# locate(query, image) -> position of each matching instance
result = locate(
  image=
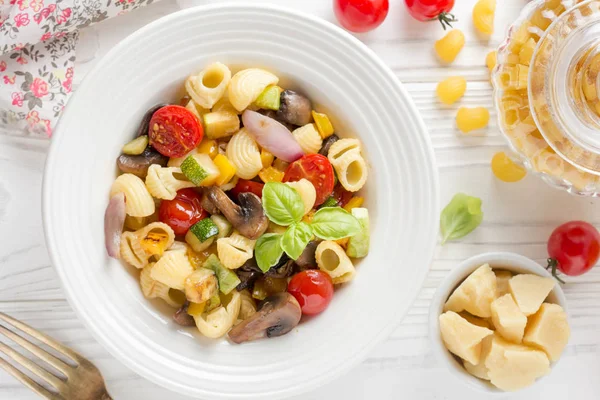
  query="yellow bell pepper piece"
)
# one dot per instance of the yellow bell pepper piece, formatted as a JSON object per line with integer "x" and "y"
{"x": 354, "y": 203}
{"x": 226, "y": 168}
{"x": 309, "y": 217}
{"x": 323, "y": 124}
{"x": 155, "y": 243}
{"x": 209, "y": 147}
{"x": 266, "y": 158}
{"x": 196, "y": 309}
{"x": 271, "y": 175}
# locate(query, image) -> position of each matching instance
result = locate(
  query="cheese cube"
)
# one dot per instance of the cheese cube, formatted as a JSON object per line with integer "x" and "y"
{"x": 513, "y": 366}
{"x": 484, "y": 323}
{"x": 461, "y": 337}
{"x": 508, "y": 319}
{"x": 480, "y": 370}
{"x": 530, "y": 291}
{"x": 475, "y": 294}
{"x": 502, "y": 278}
{"x": 548, "y": 330}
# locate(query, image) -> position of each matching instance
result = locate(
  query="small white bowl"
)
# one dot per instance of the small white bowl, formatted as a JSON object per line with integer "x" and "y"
{"x": 501, "y": 261}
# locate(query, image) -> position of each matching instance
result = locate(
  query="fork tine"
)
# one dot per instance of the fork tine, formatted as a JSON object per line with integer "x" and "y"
{"x": 38, "y": 351}
{"x": 27, "y": 381}
{"x": 33, "y": 367}
{"x": 42, "y": 337}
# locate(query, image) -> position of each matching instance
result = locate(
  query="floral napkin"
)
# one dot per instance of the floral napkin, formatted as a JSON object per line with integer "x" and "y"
{"x": 37, "y": 55}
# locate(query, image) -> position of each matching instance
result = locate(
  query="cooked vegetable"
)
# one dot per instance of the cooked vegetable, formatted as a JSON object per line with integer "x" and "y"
{"x": 248, "y": 218}
{"x": 323, "y": 124}
{"x": 145, "y": 122}
{"x": 204, "y": 229}
{"x": 574, "y": 248}
{"x": 227, "y": 279}
{"x": 313, "y": 289}
{"x": 327, "y": 144}
{"x": 354, "y": 202}
{"x": 200, "y": 169}
{"x": 283, "y": 269}
{"x": 295, "y": 109}
{"x": 226, "y": 169}
{"x": 307, "y": 259}
{"x": 220, "y": 124}
{"x": 222, "y": 225}
{"x": 114, "y": 218}
{"x": 248, "y": 274}
{"x": 181, "y": 316}
{"x": 201, "y": 285}
{"x": 210, "y": 147}
{"x": 136, "y": 146}
{"x": 183, "y": 211}
{"x": 277, "y": 315}
{"x": 460, "y": 217}
{"x": 358, "y": 245}
{"x": 317, "y": 169}
{"x": 174, "y": 131}
{"x": 269, "y": 98}
{"x": 271, "y": 175}
{"x": 138, "y": 165}
{"x": 245, "y": 186}
{"x": 272, "y": 136}
{"x": 330, "y": 202}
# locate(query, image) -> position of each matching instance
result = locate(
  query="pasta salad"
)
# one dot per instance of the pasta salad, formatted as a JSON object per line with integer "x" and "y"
{"x": 239, "y": 207}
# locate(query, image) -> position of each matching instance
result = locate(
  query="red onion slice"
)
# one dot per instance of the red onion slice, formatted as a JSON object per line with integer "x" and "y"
{"x": 114, "y": 218}
{"x": 272, "y": 136}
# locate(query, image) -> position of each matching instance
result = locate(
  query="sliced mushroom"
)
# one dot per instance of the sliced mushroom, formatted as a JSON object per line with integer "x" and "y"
{"x": 181, "y": 317}
{"x": 283, "y": 269}
{"x": 307, "y": 259}
{"x": 145, "y": 123}
{"x": 327, "y": 144}
{"x": 138, "y": 165}
{"x": 274, "y": 115}
{"x": 248, "y": 218}
{"x": 208, "y": 205}
{"x": 295, "y": 109}
{"x": 248, "y": 274}
{"x": 278, "y": 314}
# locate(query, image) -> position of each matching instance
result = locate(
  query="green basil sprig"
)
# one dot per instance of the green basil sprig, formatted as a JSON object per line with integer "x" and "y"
{"x": 460, "y": 217}
{"x": 283, "y": 206}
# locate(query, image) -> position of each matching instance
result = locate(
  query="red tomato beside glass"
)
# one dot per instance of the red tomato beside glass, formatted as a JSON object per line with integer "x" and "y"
{"x": 360, "y": 15}
{"x": 317, "y": 169}
{"x": 574, "y": 247}
{"x": 244, "y": 186}
{"x": 313, "y": 289}
{"x": 183, "y": 211}
{"x": 174, "y": 131}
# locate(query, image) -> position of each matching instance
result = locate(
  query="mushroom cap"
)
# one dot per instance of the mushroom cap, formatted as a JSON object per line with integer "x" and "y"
{"x": 295, "y": 109}
{"x": 248, "y": 218}
{"x": 138, "y": 165}
{"x": 278, "y": 314}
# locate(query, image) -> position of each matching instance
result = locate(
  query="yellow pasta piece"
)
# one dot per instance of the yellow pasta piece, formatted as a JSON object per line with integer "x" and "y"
{"x": 332, "y": 259}
{"x": 526, "y": 52}
{"x": 271, "y": 174}
{"x": 235, "y": 250}
{"x": 351, "y": 168}
{"x": 226, "y": 169}
{"x": 247, "y": 85}
{"x": 209, "y": 85}
{"x": 247, "y": 306}
{"x": 448, "y": 47}
{"x": 505, "y": 169}
{"x": 153, "y": 289}
{"x": 163, "y": 183}
{"x": 219, "y": 321}
{"x": 172, "y": 268}
{"x": 224, "y": 105}
{"x": 138, "y": 201}
{"x": 196, "y": 110}
{"x": 244, "y": 154}
{"x": 483, "y": 16}
{"x": 491, "y": 60}
{"x": 549, "y": 162}
{"x": 308, "y": 138}
{"x": 307, "y": 193}
{"x": 513, "y": 77}
{"x": 471, "y": 119}
{"x": 451, "y": 89}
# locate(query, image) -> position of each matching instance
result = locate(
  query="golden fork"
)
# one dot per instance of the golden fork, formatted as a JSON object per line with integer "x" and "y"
{"x": 81, "y": 380}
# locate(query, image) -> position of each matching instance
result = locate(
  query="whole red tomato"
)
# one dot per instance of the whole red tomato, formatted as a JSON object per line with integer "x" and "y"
{"x": 574, "y": 248}
{"x": 183, "y": 211}
{"x": 428, "y": 10}
{"x": 313, "y": 289}
{"x": 360, "y": 15}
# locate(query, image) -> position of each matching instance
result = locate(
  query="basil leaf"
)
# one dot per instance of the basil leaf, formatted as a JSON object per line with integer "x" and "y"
{"x": 268, "y": 250}
{"x": 283, "y": 204}
{"x": 460, "y": 217}
{"x": 295, "y": 239}
{"x": 333, "y": 223}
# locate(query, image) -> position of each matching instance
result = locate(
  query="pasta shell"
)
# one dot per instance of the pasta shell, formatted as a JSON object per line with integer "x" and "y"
{"x": 153, "y": 289}
{"x": 235, "y": 250}
{"x": 307, "y": 192}
{"x": 248, "y": 305}
{"x": 247, "y": 85}
{"x": 172, "y": 269}
{"x": 131, "y": 250}
{"x": 163, "y": 183}
{"x": 243, "y": 153}
{"x": 332, "y": 259}
{"x": 138, "y": 201}
{"x": 308, "y": 138}
{"x": 219, "y": 321}
{"x": 209, "y": 85}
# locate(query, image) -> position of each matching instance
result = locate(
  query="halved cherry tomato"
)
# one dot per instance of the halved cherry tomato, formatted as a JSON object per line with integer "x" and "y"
{"x": 174, "y": 131}
{"x": 244, "y": 186}
{"x": 183, "y": 211}
{"x": 317, "y": 169}
{"x": 341, "y": 195}
{"x": 574, "y": 248}
{"x": 313, "y": 289}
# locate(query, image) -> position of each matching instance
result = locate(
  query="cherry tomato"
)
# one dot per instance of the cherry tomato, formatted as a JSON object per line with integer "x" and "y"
{"x": 574, "y": 248}
{"x": 183, "y": 211}
{"x": 244, "y": 186}
{"x": 317, "y": 169}
{"x": 430, "y": 10}
{"x": 313, "y": 289}
{"x": 341, "y": 195}
{"x": 174, "y": 131}
{"x": 360, "y": 15}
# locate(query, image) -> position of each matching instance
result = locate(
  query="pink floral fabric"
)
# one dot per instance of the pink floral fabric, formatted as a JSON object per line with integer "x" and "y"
{"x": 38, "y": 39}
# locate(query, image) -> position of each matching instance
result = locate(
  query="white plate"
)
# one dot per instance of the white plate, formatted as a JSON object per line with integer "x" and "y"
{"x": 343, "y": 77}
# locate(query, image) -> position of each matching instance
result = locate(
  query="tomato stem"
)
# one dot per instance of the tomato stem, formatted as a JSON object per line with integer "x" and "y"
{"x": 553, "y": 263}
{"x": 445, "y": 19}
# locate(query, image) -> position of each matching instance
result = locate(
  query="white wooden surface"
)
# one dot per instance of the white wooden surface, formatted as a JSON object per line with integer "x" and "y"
{"x": 518, "y": 217}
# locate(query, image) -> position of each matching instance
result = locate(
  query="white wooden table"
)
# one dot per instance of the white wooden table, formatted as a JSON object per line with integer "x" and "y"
{"x": 518, "y": 217}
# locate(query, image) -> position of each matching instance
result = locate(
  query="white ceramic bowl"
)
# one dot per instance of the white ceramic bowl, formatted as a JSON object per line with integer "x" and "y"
{"x": 505, "y": 261}
{"x": 344, "y": 78}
